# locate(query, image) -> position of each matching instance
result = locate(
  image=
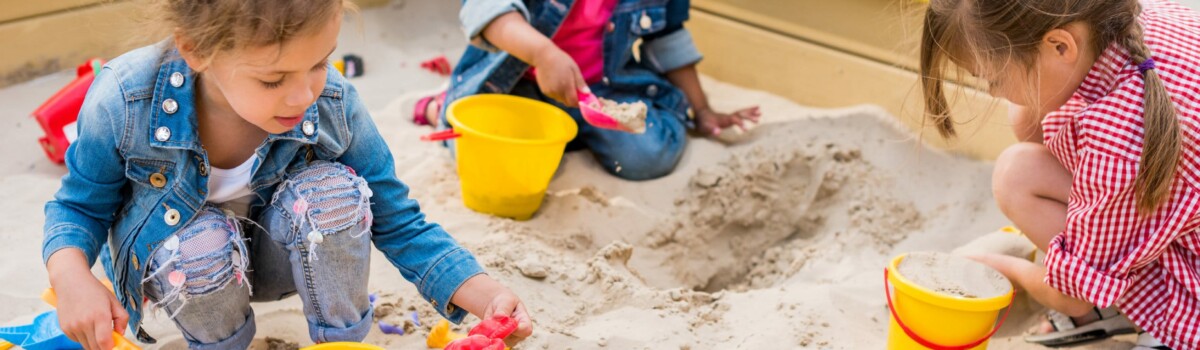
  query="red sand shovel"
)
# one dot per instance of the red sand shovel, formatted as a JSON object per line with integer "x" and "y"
{"x": 593, "y": 113}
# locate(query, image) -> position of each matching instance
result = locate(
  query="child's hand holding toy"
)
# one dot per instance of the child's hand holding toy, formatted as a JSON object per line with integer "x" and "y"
{"x": 486, "y": 298}
{"x": 487, "y": 335}
{"x": 557, "y": 74}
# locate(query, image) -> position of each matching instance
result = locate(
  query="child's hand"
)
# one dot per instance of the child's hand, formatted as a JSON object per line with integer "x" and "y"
{"x": 88, "y": 313}
{"x": 710, "y": 123}
{"x": 558, "y": 76}
{"x": 508, "y": 304}
{"x": 484, "y": 297}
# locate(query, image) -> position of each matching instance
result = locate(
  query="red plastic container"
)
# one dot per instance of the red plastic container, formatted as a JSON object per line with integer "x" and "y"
{"x": 58, "y": 114}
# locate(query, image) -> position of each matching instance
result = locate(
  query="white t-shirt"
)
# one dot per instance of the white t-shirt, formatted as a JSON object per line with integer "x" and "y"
{"x": 230, "y": 188}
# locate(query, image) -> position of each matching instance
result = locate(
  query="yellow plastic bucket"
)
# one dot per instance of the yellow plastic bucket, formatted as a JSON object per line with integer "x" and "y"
{"x": 507, "y": 149}
{"x": 925, "y": 319}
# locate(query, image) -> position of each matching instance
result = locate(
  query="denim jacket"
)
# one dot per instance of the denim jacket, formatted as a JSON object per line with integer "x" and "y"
{"x": 665, "y": 45}
{"x": 138, "y": 126}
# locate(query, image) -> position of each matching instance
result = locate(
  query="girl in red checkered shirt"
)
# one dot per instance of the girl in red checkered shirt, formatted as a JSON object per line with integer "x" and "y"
{"x": 1104, "y": 99}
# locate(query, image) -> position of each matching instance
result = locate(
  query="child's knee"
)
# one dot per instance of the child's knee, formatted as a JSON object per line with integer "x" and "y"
{"x": 646, "y": 167}
{"x": 327, "y": 198}
{"x": 206, "y": 256}
{"x": 650, "y": 157}
{"x": 1010, "y": 177}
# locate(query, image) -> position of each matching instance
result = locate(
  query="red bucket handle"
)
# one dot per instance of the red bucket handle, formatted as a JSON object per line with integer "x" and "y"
{"x": 887, "y": 288}
{"x": 441, "y": 135}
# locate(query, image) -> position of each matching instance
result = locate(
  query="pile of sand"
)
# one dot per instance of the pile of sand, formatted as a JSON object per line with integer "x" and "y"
{"x": 631, "y": 115}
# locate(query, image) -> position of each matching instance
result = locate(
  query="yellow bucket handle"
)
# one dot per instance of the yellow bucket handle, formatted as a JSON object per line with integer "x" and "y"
{"x": 441, "y": 135}
{"x": 887, "y": 288}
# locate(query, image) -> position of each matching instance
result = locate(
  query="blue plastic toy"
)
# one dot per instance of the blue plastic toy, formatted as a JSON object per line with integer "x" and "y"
{"x": 43, "y": 334}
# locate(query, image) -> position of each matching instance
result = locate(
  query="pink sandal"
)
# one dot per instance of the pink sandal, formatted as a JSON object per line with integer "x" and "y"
{"x": 419, "y": 116}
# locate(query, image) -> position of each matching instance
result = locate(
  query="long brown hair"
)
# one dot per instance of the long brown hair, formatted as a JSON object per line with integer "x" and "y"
{"x": 994, "y": 31}
{"x": 216, "y": 26}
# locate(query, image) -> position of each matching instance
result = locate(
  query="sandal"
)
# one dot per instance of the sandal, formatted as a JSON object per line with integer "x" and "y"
{"x": 419, "y": 116}
{"x": 1145, "y": 341}
{"x": 1109, "y": 322}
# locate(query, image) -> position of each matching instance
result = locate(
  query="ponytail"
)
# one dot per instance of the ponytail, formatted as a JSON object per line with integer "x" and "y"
{"x": 1161, "y": 141}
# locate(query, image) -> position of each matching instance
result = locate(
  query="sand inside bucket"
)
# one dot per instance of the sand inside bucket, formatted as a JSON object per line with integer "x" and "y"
{"x": 631, "y": 115}
{"x": 953, "y": 275}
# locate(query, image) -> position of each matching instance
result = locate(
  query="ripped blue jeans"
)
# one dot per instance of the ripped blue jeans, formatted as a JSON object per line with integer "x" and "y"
{"x": 313, "y": 240}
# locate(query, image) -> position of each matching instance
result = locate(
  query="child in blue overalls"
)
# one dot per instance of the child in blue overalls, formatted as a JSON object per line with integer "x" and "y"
{"x": 623, "y": 50}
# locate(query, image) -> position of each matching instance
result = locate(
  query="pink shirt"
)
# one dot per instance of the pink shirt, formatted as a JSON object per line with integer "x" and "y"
{"x": 582, "y": 36}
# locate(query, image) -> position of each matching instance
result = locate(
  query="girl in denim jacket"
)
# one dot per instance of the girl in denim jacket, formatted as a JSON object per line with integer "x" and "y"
{"x": 623, "y": 50}
{"x": 231, "y": 165}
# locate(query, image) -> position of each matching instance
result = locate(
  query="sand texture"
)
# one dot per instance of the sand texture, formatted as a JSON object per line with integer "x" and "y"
{"x": 631, "y": 115}
{"x": 953, "y": 275}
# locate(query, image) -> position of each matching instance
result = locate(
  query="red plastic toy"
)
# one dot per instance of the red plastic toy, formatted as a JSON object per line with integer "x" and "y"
{"x": 438, "y": 65}
{"x": 58, "y": 114}
{"x": 487, "y": 335}
{"x": 498, "y": 327}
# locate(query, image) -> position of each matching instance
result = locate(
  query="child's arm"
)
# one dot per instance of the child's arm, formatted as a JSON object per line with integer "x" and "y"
{"x": 445, "y": 273}
{"x": 1031, "y": 277}
{"x": 88, "y": 312}
{"x": 80, "y": 216}
{"x": 557, "y": 74}
{"x": 672, "y": 52}
{"x": 708, "y": 121}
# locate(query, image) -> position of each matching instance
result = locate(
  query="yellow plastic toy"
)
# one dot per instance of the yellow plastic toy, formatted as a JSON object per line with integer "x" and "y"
{"x": 340, "y": 65}
{"x": 441, "y": 335}
{"x": 342, "y": 346}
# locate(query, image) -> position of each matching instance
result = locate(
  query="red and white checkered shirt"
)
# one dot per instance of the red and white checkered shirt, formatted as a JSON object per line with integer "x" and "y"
{"x": 1109, "y": 254}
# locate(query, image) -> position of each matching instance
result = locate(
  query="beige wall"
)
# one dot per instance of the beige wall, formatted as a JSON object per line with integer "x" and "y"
{"x": 41, "y": 37}
{"x": 881, "y": 30}
{"x": 837, "y": 54}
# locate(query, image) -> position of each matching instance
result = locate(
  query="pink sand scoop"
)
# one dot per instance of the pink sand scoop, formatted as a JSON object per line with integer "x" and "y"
{"x": 593, "y": 113}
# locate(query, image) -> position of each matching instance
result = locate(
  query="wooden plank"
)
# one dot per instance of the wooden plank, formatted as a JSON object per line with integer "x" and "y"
{"x": 20, "y": 9}
{"x": 48, "y": 43}
{"x": 17, "y": 9}
{"x": 819, "y": 76}
{"x": 62, "y": 40}
{"x": 883, "y": 30}
{"x": 370, "y": 3}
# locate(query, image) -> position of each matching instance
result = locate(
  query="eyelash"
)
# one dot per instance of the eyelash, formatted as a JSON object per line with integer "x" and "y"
{"x": 275, "y": 84}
